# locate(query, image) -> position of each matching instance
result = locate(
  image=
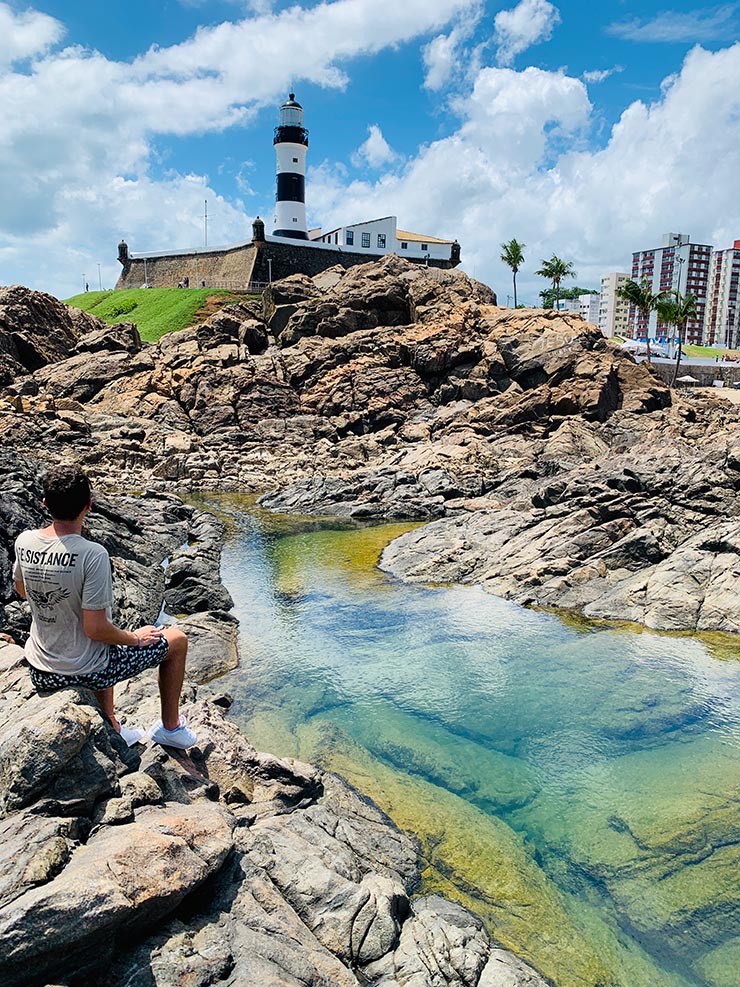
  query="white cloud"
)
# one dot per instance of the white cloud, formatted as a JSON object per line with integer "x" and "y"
{"x": 513, "y": 168}
{"x": 600, "y": 75}
{"x": 76, "y": 124}
{"x": 527, "y": 24}
{"x": 375, "y": 151}
{"x": 440, "y": 60}
{"x": 445, "y": 56}
{"x": 26, "y": 34}
{"x": 704, "y": 24}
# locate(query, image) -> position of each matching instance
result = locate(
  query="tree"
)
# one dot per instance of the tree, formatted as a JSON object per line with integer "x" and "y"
{"x": 548, "y": 295}
{"x": 675, "y": 309}
{"x": 513, "y": 257}
{"x": 644, "y": 299}
{"x": 555, "y": 270}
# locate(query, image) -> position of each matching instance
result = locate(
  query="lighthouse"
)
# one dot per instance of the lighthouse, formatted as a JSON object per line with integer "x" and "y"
{"x": 291, "y": 144}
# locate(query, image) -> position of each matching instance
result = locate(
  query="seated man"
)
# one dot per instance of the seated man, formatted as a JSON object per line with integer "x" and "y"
{"x": 67, "y": 582}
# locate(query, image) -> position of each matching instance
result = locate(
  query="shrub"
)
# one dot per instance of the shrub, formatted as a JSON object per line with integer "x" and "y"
{"x": 123, "y": 307}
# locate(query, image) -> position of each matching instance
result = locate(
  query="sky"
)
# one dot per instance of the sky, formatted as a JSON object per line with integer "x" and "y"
{"x": 582, "y": 129}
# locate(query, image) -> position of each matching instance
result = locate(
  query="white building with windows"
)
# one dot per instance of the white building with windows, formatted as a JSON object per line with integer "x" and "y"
{"x": 613, "y": 319}
{"x": 722, "y": 313}
{"x": 382, "y": 236}
{"x": 586, "y": 305}
{"x": 677, "y": 265}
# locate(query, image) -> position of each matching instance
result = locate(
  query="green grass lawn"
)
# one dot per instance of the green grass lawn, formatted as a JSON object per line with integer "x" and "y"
{"x": 689, "y": 351}
{"x": 155, "y": 311}
{"x": 708, "y": 351}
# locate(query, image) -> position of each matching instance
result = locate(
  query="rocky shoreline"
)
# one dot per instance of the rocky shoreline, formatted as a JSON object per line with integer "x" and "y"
{"x": 147, "y": 867}
{"x": 553, "y": 470}
{"x": 558, "y": 472}
{"x": 151, "y": 867}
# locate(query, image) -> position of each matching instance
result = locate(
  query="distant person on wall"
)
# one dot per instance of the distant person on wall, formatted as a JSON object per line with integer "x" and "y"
{"x": 67, "y": 582}
{"x": 87, "y": 286}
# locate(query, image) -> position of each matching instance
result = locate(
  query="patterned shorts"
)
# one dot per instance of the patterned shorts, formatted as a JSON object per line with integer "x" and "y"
{"x": 124, "y": 661}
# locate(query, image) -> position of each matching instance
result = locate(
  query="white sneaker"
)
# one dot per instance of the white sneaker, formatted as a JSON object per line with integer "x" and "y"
{"x": 132, "y": 735}
{"x": 181, "y": 737}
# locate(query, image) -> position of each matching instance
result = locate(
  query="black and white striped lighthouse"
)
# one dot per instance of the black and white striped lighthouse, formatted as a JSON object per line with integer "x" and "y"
{"x": 291, "y": 144}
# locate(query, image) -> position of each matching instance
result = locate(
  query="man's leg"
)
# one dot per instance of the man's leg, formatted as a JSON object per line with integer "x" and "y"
{"x": 171, "y": 676}
{"x": 105, "y": 701}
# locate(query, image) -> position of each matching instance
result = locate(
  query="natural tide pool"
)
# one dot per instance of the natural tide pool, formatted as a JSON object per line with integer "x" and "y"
{"x": 578, "y": 786}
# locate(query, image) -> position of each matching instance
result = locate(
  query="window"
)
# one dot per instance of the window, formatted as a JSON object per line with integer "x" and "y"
{"x": 425, "y": 246}
{"x": 381, "y": 240}
{"x": 349, "y": 238}
{"x": 365, "y": 239}
{"x": 404, "y": 245}
{"x": 295, "y": 160}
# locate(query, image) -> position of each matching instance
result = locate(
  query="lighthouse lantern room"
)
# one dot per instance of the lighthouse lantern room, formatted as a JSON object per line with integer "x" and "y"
{"x": 291, "y": 145}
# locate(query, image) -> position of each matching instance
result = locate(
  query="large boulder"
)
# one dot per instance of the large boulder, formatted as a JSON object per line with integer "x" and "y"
{"x": 35, "y": 329}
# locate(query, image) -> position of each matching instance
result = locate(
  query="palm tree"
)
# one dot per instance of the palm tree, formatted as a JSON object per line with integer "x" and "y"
{"x": 675, "y": 309}
{"x": 555, "y": 270}
{"x": 644, "y": 299}
{"x": 513, "y": 257}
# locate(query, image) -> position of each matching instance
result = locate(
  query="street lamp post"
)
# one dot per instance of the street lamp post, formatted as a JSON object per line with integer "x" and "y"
{"x": 269, "y": 269}
{"x": 100, "y": 280}
{"x": 146, "y": 276}
{"x": 680, "y": 261}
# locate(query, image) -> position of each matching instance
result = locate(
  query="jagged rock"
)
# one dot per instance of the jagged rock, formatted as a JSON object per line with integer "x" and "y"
{"x": 299, "y": 880}
{"x": 124, "y": 877}
{"x": 35, "y": 329}
{"x": 212, "y": 644}
{"x": 443, "y": 945}
{"x": 189, "y": 584}
{"x": 124, "y": 336}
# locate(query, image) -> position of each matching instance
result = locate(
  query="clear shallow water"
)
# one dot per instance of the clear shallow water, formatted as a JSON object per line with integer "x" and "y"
{"x": 581, "y": 785}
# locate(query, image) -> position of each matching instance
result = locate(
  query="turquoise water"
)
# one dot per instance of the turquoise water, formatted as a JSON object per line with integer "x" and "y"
{"x": 597, "y": 767}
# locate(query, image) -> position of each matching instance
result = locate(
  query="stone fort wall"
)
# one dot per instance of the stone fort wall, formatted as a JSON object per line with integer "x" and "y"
{"x": 219, "y": 269}
{"x": 252, "y": 263}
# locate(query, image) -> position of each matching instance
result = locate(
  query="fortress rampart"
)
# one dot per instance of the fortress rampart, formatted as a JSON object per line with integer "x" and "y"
{"x": 254, "y": 263}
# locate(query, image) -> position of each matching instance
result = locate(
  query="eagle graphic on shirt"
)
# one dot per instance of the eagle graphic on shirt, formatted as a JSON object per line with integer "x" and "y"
{"x": 47, "y": 599}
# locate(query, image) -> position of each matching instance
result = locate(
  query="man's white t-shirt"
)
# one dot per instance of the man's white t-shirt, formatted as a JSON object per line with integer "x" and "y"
{"x": 63, "y": 576}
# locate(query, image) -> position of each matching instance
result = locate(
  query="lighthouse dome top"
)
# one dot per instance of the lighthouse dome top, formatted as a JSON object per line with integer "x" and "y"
{"x": 291, "y": 129}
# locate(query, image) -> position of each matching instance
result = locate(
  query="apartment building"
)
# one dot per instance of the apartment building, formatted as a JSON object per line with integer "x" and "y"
{"x": 722, "y": 313}
{"x": 677, "y": 265}
{"x": 586, "y": 306}
{"x": 613, "y": 317}
{"x": 589, "y": 307}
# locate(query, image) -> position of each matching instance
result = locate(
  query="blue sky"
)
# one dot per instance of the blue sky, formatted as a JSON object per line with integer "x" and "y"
{"x": 586, "y": 130}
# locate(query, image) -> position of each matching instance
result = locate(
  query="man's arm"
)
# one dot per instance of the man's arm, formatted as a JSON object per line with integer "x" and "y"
{"x": 97, "y": 627}
{"x": 20, "y": 588}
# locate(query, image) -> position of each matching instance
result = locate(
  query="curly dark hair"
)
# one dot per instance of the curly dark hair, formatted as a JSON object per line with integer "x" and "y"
{"x": 66, "y": 492}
